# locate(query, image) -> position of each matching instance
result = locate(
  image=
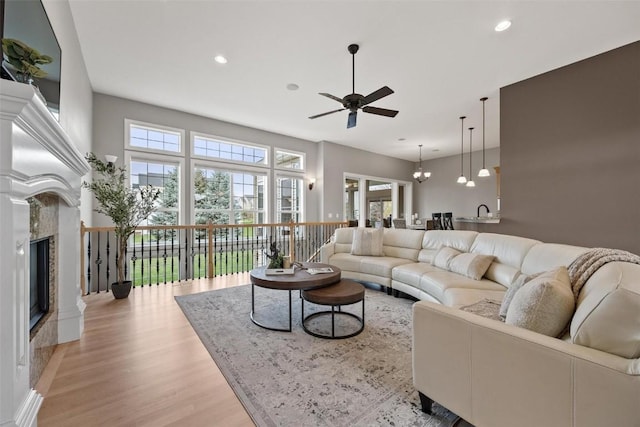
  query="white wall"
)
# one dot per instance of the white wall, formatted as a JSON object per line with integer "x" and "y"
{"x": 76, "y": 95}
{"x": 441, "y": 193}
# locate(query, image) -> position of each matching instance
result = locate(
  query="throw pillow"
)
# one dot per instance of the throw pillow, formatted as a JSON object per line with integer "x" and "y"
{"x": 471, "y": 265}
{"x": 511, "y": 291}
{"x": 544, "y": 304}
{"x": 444, "y": 255}
{"x": 367, "y": 241}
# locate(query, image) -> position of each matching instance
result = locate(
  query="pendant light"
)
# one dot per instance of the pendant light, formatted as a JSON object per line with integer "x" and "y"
{"x": 470, "y": 183}
{"x": 419, "y": 175}
{"x": 462, "y": 179}
{"x": 484, "y": 171}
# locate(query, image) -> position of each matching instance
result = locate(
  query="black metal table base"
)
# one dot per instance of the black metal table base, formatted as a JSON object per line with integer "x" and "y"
{"x": 333, "y": 313}
{"x": 262, "y": 325}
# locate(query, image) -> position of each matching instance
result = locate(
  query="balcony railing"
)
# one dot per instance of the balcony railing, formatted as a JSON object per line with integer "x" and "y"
{"x": 173, "y": 253}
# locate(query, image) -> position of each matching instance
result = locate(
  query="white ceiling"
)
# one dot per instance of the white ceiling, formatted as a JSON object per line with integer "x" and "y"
{"x": 440, "y": 58}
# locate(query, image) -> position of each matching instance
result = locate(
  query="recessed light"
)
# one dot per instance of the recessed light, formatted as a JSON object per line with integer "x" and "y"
{"x": 293, "y": 86}
{"x": 402, "y": 139}
{"x": 220, "y": 59}
{"x": 435, "y": 150}
{"x": 503, "y": 25}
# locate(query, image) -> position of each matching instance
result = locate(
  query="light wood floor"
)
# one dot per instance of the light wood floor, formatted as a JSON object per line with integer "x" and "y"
{"x": 139, "y": 363}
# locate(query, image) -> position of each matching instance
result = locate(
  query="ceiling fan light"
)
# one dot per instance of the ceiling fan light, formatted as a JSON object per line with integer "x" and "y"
{"x": 462, "y": 179}
{"x": 484, "y": 172}
{"x": 470, "y": 183}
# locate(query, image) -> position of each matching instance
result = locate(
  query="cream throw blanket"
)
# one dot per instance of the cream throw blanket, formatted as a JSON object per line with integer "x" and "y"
{"x": 581, "y": 269}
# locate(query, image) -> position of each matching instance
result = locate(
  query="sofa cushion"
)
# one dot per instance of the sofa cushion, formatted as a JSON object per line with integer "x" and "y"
{"x": 471, "y": 265}
{"x": 548, "y": 256}
{"x": 509, "y": 252}
{"x": 437, "y": 282}
{"x": 410, "y": 273}
{"x": 544, "y": 304}
{"x": 402, "y": 243}
{"x": 443, "y": 257}
{"x": 458, "y": 297}
{"x": 381, "y": 266}
{"x": 367, "y": 242}
{"x": 608, "y": 314}
{"x": 342, "y": 239}
{"x": 435, "y": 239}
{"x": 345, "y": 261}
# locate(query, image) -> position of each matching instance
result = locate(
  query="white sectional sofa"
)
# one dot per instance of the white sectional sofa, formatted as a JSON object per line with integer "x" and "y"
{"x": 495, "y": 374}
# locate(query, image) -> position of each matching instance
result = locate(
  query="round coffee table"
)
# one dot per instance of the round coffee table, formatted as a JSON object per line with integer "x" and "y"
{"x": 300, "y": 280}
{"x": 345, "y": 292}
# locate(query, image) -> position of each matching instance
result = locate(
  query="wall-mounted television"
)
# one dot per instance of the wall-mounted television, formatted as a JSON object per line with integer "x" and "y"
{"x": 27, "y": 21}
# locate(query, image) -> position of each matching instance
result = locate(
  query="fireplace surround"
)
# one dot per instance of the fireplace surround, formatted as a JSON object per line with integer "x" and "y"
{"x": 36, "y": 158}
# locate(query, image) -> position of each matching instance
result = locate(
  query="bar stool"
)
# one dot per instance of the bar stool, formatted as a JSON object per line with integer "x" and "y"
{"x": 437, "y": 221}
{"x": 448, "y": 220}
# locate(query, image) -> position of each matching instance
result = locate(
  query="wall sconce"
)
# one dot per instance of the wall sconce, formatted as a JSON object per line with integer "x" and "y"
{"x": 312, "y": 181}
{"x": 111, "y": 160}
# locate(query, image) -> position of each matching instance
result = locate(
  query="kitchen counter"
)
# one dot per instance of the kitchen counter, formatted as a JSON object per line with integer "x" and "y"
{"x": 478, "y": 219}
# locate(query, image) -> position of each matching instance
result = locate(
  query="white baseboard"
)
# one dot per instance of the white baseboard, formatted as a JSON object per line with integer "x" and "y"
{"x": 27, "y": 413}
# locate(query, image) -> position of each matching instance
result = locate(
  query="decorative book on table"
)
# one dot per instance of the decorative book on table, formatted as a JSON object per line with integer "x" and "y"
{"x": 278, "y": 271}
{"x": 319, "y": 270}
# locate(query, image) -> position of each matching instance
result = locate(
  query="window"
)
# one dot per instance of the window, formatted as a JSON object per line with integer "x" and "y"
{"x": 228, "y": 197}
{"x": 143, "y": 136}
{"x": 289, "y": 160}
{"x": 214, "y": 148}
{"x": 166, "y": 177}
{"x": 289, "y": 199}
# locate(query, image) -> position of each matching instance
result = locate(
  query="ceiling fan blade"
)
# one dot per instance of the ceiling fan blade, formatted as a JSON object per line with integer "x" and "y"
{"x": 327, "y": 113}
{"x": 328, "y": 95}
{"x": 351, "y": 122}
{"x": 380, "y": 111}
{"x": 378, "y": 94}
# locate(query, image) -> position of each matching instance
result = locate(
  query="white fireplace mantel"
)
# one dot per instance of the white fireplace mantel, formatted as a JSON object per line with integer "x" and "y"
{"x": 36, "y": 156}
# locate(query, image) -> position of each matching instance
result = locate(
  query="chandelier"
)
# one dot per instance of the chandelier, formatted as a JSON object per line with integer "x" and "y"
{"x": 419, "y": 175}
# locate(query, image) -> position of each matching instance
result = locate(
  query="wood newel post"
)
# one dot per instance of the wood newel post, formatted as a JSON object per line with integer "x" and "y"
{"x": 291, "y": 241}
{"x": 82, "y": 254}
{"x": 210, "y": 266}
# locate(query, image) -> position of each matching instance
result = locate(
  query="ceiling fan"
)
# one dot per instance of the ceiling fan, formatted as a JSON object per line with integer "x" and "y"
{"x": 354, "y": 101}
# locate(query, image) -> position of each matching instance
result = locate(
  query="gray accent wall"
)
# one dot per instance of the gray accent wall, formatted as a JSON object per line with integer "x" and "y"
{"x": 570, "y": 153}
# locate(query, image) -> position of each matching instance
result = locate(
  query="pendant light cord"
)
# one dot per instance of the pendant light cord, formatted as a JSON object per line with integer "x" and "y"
{"x": 470, "y": 150}
{"x": 462, "y": 145}
{"x": 483, "y": 126}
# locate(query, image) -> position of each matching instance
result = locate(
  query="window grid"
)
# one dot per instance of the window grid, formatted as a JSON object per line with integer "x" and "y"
{"x": 165, "y": 177}
{"x": 154, "y": 139}
{"x": 224, "y": 150}
{"x": 228, "y": 197}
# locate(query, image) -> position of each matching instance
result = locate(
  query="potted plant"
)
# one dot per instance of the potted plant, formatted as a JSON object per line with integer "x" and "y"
{"x": 25, "y": 59}
{"x": 127, "y": 208}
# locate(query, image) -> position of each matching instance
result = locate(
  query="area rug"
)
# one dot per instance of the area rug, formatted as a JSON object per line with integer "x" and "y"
{"x": 295, "y": 379}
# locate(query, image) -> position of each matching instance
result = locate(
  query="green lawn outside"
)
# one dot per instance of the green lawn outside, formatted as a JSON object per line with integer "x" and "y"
{"x": 156, "y": 270}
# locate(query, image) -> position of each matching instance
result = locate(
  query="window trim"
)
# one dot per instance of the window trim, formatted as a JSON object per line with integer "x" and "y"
{"x": 298, "y": 153}
{"x": 127, "y": 137}
{"x": 160, "y": 158}
{"x": 194, "y": 134}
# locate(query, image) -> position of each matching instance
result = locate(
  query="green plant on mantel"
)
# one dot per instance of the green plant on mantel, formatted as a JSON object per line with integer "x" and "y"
{"x": 126, "y": 206}
{"x": 25, "y": 59}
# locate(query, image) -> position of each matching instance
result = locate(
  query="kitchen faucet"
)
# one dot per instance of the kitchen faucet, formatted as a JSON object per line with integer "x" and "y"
{"x": 487, "y": 207}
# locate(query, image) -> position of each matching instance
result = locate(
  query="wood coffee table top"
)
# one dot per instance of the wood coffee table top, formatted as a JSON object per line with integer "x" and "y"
{"x": 301, "y": 279}
{"x": 344, "y": 292}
